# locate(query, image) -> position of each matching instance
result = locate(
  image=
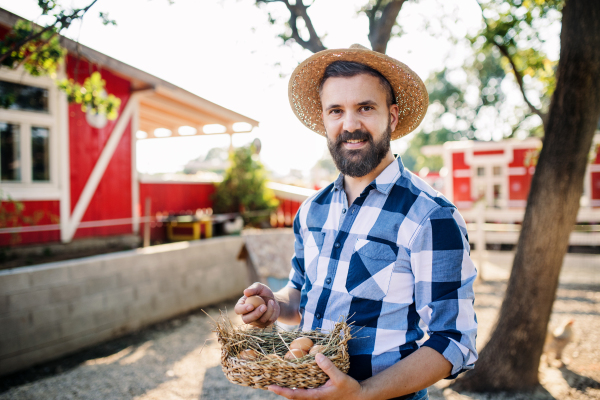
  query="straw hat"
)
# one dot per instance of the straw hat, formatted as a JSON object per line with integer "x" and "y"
{"x": 409, "y": 90}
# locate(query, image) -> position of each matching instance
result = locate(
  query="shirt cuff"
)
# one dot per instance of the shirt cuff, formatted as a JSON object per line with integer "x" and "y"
{"x": 451, "y": 352}
{"x": 293, "y": 285}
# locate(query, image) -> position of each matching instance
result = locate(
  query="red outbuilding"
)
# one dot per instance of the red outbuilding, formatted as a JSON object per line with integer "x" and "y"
{"x": 499, "y": 172}
{"x": 75, "y": 174}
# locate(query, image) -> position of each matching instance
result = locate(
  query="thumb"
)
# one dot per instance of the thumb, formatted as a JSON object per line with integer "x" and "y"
{"x": 329, "y": 368}
{"x": 252, "y": 290}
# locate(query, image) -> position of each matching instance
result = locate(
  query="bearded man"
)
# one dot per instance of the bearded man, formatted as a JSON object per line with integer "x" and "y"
{"x": 378, "y": 245}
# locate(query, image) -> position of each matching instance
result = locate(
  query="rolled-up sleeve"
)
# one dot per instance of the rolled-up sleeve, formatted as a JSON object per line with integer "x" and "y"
{"x": 297, "y": 275}
{"x": 444, "y": 297}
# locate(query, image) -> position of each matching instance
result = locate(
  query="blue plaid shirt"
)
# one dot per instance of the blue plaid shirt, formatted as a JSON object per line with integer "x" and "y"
{"x": 398, "y": 255}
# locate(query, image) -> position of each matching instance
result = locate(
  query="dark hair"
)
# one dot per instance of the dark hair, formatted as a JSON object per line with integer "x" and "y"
{"x": 348, "y": 69}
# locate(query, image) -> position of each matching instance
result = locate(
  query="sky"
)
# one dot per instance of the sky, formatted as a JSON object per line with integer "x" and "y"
{"x": 226, "y": 51}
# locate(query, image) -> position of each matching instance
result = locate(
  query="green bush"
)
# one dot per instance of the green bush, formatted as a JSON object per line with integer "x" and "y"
{"x": 244, "y": 190}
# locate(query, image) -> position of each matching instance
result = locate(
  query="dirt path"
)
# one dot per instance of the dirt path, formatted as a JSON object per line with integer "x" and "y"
{"x": 168, "y": 361}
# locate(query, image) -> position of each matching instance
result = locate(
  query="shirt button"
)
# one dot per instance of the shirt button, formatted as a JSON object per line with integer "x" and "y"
{"x": 337, "y": 245}
{"x": 318, "y": 315}
{"x": 343, "y": 211}
{"x": 328, "y": 281}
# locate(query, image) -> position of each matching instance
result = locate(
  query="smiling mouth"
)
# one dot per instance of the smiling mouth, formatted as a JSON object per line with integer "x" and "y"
{"x": 355, "y": 141}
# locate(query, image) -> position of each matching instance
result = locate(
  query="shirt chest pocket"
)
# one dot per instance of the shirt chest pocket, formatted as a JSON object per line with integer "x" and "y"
{"x": 312, "y": 251}
{"x": 370, "y": 269}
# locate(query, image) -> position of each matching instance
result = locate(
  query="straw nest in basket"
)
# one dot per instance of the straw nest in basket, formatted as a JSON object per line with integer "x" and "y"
{"x": 256, "y": 357}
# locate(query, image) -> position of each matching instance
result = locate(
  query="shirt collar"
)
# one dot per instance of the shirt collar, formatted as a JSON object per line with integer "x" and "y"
{"x": 384, "y": 181}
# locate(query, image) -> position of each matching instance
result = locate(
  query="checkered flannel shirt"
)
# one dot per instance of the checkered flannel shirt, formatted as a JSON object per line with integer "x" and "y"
{"x": 399, "y": 254}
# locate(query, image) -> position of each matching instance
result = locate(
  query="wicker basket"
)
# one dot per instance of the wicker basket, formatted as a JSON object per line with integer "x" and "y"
{"x": 302, "y": 373}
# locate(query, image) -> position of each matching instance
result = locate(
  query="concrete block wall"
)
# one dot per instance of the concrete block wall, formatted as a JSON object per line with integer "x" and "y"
{"x": 50, "y": 310}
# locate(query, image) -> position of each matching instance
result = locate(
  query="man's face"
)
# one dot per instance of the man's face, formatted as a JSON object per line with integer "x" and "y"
{"x": 358, "y": 122}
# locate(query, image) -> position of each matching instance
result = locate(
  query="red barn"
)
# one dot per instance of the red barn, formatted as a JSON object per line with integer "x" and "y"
{"x": 76, "y": 174}
{"x": 501, "y": 172}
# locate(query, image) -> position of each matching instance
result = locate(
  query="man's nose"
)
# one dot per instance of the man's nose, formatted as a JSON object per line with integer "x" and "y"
{"x": 351, "y": 122}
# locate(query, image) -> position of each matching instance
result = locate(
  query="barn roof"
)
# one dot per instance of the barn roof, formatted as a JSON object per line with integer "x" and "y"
{"x": 164, "y": 105}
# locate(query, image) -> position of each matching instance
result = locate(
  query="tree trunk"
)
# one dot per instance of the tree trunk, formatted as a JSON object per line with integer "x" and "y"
{"x": 511, "y": 359}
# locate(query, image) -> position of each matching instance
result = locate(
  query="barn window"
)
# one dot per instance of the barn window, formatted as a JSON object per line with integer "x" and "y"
{"x": 15, "y": 96}
{"x": 10, "y": 152}
{"x": 28, "y": 135}
{"x": 40, "y": 154}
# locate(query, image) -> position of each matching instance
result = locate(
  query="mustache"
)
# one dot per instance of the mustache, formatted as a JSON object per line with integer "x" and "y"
{"x": 354, "y": 135}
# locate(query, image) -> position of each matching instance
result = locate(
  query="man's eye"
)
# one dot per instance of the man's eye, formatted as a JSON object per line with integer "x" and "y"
{"x": 335, "y": 111}
{"x": 366, "y": 108}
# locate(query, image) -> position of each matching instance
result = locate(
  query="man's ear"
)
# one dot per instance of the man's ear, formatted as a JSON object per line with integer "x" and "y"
{"x": 394, "y": 109}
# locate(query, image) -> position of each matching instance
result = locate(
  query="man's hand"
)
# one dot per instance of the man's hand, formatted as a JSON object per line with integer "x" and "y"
{"x": 339, "y": 385}
{"x": 264, "y": 315}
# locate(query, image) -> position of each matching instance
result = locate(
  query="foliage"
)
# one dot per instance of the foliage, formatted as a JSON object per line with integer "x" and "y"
{"x": 38, "y": 57}
{"x": 38, "y": 51}
{"x": 91, "y": 95}
{"x": 12, "y": 215}
{"x": 244, "y": 187}
{"x": 470, "y": 101}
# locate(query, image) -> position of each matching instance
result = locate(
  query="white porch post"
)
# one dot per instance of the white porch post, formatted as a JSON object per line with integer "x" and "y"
{"x": 99, "y": 168}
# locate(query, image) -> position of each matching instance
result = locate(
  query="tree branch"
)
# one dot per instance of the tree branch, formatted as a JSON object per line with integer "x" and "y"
{"x": 519, "y": 79}
{"x": 380, "y": 29}
{"x": 518, "y": 75}
{"x": 298, "y": 10}
{"x": 63, "y": 20}
{"x": 313, "y": 43}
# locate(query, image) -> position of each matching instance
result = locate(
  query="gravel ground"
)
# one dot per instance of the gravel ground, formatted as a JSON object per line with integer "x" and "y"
{"x": 179, "y": 359}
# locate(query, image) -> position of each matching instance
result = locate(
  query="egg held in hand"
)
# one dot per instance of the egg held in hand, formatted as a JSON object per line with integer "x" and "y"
{"x": 255, "y": 301}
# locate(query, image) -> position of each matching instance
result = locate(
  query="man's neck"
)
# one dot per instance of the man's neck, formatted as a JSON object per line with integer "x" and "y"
{"x": 354, "y": 186}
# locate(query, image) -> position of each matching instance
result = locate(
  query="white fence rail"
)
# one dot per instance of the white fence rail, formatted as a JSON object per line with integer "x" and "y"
{"x": 502, "y": 226}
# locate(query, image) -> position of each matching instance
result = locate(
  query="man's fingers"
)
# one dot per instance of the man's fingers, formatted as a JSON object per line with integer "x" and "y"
{"x": 266, "y": 317}
{"x": 253, "y": 289}
{"x": 329, "y": 368}
{"x": 241, "y": 307}
{"x": 292, "y": 393}
{"x": 254, "y": 315}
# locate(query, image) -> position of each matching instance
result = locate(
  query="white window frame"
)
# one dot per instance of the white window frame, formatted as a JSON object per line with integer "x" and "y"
{"x": 27, "y": 189}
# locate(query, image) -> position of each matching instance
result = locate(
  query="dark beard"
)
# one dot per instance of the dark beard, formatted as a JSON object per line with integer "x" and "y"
{"x": 359, "y": 162}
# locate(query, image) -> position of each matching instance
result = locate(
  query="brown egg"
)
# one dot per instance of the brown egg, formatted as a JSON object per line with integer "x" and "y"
{"x": 302, "y": 343}
{"x": 295, "y": 354}
{"x": 249, "y": 355}
{"x": 319, "y": 348}
{"x": 256, "y": 301}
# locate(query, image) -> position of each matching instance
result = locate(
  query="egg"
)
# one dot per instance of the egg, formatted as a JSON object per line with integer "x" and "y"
{"x": 248, "y": 354}
{"x": 316, "y": 349}
{"x": 255, "y": 301}
{"x": 302, "y": 343}
{"x": 295, "y": 354}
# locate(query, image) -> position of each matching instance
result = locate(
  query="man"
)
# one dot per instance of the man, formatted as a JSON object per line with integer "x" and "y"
{"x": 378, "y": 245}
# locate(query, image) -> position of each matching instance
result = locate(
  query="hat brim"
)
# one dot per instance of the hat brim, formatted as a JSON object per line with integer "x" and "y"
{"x": 409, "y": 90}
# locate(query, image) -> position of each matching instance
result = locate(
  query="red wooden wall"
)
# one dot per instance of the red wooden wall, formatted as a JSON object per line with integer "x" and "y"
{"x": 173, "y": 198}
{"x": 287, "y": 211}
{"x": 518, "y": 185}
{"x": 461, "y": 185}
{"x": 36, "y": 213}
{"x": 112, "y": 199}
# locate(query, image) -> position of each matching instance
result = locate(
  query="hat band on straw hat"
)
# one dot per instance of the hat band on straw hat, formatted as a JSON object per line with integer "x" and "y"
{"x": 409, "y": 90}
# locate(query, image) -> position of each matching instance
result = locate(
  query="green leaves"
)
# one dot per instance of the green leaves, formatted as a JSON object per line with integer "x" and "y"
{"x": 39, "y": 55}
{"x": 244, "y": 187}
{"x": 92, "y": 96}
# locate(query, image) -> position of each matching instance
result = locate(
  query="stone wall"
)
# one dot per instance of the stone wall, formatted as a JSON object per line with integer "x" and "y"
{"x": 50, "y": 310}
